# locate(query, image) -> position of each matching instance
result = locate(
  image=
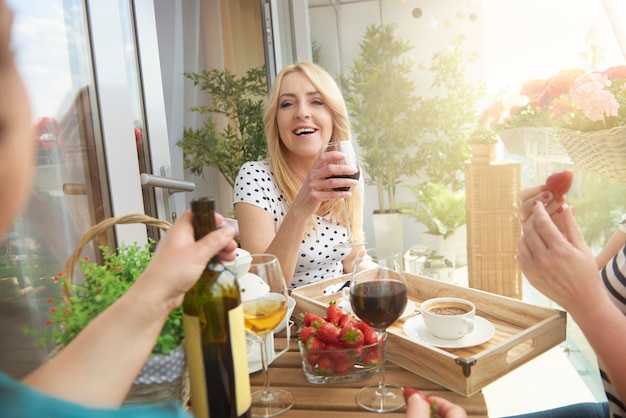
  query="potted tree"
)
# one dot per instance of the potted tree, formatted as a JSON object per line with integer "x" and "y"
{"x": 379, "y": 96}
{"x": 449, "y": 116}
{"x": 240, "y": 101}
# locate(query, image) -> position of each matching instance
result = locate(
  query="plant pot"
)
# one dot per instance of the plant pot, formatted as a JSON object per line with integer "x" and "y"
{"x": 164, "y": 377}
{"x": 389, "y": 230}
{"x": 483, "y": 153}
{"x": 440, "y": 245}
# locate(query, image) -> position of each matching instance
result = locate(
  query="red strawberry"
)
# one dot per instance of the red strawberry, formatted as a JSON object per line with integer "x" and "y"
{"x": 559, "y": 183}
{"x": 334, "y": 313}
{"x": 351, "y": 337}
{"x": 313, "y": 344}
{"x": 306, "y": 333}
{"x": 347, "y": 320}
{"x": 343, "y": 366}
{"x": 325, "y": 365}
{"x": 310, "y": 319}
{"x": 370, "y": 336}
{"x": 363, "y": 326}
{"x": 328, "y": 333}
{"x": 370, "y": 355}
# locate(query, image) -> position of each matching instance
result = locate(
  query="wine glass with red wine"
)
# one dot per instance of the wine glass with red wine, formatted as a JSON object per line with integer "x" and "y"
{"x": 378, "y": 296}
{"x": 346, "y": 148}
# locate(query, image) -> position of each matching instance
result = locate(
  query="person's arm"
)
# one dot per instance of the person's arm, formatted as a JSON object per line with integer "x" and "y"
{"x": 558, "y": 262}
{"x": 613, "y": 245}
{"x": 98, "y": 367}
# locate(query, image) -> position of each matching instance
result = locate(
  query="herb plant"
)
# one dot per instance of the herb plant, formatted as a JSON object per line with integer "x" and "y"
{"x": 103, "y": 285}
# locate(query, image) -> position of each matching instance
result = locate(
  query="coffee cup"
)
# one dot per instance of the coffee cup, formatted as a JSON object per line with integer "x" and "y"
{"x": 448, "y": 318}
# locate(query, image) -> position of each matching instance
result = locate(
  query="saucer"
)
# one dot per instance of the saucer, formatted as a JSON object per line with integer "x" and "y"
{"x": 408, "y": 309}
{"x": 483, "y": 331}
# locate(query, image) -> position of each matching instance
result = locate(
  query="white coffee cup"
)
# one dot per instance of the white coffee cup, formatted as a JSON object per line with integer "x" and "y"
{"x": 448, "y": 318}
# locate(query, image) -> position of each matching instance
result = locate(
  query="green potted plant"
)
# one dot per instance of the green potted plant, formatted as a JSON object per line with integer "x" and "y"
{"x": 482, "y": 142}
{"x": 102, "y": 285}
{"x": 380, "y": 98}
{"x": 441, "y": 210}
{"x": 242, "y": 138}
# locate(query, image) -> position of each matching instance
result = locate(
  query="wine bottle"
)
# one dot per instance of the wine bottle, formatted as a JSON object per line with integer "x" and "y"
{"x": 214, "y": 334}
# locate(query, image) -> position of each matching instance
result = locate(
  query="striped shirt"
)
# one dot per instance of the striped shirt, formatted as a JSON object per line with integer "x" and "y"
{"x": 614, "y": 281}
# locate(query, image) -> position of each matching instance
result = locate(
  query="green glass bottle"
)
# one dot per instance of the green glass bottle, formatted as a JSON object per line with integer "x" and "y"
{"x": 215, "y": 333}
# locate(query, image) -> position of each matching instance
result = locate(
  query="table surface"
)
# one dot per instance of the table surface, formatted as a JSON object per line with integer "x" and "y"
{"x": 339, "y": 399}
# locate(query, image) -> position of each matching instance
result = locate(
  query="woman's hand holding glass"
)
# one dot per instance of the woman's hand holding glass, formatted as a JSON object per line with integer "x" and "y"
{"x": 349, "y": 159}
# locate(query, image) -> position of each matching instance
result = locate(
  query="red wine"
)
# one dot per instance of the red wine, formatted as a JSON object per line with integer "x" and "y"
{"x": 378, "y": 303}
{"x": 345, "y": 176}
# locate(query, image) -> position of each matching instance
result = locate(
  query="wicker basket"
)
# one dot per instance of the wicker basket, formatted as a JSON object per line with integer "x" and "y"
{"x": 600, "y": 152}
{"x": 536, "y": 143}
{"x": 163, "y": 377}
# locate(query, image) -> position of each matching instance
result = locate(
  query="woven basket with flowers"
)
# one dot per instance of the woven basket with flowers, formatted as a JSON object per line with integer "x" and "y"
{"x": 583, "y": 110}
{"x": 165, "y": 375}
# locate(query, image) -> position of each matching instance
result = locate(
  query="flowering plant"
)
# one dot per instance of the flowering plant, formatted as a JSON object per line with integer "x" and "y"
{"x": 102, "y": 286}
{"x": 575, "y": 99}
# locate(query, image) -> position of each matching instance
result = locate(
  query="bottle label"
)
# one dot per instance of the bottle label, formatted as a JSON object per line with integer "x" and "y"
{"x": 240, "y": 359}
{"x": 197, "y": 381}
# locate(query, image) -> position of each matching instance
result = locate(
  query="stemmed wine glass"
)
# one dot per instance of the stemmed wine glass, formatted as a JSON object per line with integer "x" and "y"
{"x": 349, "y": 159}
{"x": 263, "y": 312}
{"x": 378, "y": 295}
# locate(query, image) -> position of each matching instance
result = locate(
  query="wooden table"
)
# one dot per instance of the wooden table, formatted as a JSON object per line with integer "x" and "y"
{"x": 339, "y": 400}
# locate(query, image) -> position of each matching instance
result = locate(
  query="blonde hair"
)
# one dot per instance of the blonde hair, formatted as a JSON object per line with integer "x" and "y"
{"x": 283, "y": 169}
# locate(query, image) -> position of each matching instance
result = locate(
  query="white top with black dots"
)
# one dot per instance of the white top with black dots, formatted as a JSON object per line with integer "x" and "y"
{"x": 318, "y": 259}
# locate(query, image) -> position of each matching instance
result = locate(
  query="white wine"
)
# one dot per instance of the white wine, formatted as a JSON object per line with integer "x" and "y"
{"x": 262, "y": 316}
{"x": 214, "y": 334}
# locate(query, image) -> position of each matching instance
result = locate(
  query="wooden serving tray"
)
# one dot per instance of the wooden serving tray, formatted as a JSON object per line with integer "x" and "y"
{"x": 522, "y": 332}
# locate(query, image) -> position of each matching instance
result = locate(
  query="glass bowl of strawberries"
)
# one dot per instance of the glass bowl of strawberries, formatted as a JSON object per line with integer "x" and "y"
{"x": 337, "y": 348}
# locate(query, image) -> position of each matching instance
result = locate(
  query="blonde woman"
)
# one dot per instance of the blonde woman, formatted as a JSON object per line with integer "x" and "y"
{"x": 285, "y": 204}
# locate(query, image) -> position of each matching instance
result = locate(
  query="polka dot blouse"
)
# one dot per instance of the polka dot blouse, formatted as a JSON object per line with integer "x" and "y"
{"x": 318, "y": 258}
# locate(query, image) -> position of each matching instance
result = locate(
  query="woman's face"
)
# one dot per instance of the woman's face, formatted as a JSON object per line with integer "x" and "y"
{"x": 17, "y": 141}
{"x": 305, "y": 122}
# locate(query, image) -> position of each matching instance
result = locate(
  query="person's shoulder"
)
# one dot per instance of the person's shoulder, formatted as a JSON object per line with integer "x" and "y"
{"x": 256, "y": 165}
{"x": 255, "y": 169}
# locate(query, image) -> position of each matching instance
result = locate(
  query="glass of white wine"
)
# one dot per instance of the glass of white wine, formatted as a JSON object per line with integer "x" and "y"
{"x": 262, "y": 314}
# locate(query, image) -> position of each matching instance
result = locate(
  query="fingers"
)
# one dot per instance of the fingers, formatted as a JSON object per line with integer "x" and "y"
{"x": 416, "y": 404}
{"x": 552, "y": 203}
{"x": 448, "y": 409}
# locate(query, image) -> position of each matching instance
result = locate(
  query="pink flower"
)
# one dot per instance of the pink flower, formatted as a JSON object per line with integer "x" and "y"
{"x": 589, "y": 95}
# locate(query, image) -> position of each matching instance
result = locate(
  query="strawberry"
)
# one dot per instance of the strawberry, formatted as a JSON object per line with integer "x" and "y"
{"x": 328, "y": 333}
{"x": 351, "y": 337}
{"x": 306, "y": 333}
{"x": 334, "y": 313}
{"x": 363, "y": 326}
{"x": 370, "y": 355}
{"x": 325, "y": 365}
{"x": 343, "y": 366}
{"x": 347, "y": 320}
{"x": 370, "y": 336}
{"x": 310, "y": 319}
{"x": 314, "y": 344}
{"x": 559, "y": 183}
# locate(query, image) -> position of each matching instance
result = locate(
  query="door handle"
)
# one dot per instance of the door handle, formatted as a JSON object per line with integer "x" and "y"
{"x": 172, "y": 186}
